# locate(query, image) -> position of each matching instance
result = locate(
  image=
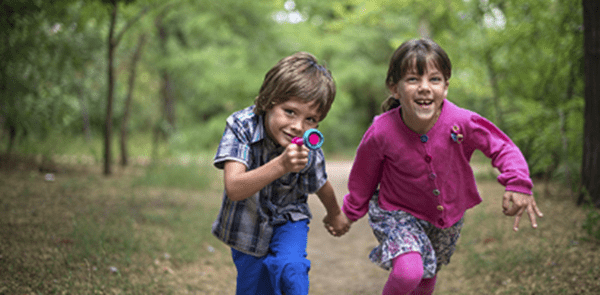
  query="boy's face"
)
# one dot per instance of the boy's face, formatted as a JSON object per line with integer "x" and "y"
{"x": 290, "y": 119}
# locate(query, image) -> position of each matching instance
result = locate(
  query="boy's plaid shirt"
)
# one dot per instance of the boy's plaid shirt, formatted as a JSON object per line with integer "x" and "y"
{"x": 247, "y": 225}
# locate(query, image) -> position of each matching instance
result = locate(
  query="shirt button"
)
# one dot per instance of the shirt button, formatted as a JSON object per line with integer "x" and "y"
{"x": 428, "y": 159}
{"x": 432, "y": 176}
{"x": 436, "y": 192}
{"x": 440, "y": 208}
{"x": 424, "y": 138}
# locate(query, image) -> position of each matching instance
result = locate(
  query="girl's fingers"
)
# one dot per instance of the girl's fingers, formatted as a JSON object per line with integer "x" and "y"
{"x": 537, "y": 210}
{"x": 518, "y": 219}
{"x": 532, "y": 213}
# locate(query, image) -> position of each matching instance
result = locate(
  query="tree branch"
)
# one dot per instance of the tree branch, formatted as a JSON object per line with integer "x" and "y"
{"x": 129, "y": 24}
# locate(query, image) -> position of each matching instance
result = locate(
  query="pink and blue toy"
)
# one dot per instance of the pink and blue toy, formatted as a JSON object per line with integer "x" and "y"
{"x": 312, "y": 138}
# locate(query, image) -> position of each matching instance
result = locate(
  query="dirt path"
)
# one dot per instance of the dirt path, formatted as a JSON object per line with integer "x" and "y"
{"x": 341, "y": 265}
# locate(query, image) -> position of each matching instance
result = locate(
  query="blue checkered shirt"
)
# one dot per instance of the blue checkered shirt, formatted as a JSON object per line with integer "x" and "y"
{"x": 247, "y": 225}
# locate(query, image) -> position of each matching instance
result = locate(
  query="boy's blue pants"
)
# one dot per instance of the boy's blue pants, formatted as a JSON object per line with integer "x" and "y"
{"x": 284, "y": 269}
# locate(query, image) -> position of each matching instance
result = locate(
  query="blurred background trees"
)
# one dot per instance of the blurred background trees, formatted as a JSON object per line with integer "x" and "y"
{"x": 517, "y": 62}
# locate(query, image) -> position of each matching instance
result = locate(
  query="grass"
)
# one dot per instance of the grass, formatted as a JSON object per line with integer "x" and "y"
{"x": 84, "y": 233}
{"x": 557, "y": 258}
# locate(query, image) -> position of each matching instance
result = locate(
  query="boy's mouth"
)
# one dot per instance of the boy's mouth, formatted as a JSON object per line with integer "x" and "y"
{"x": 289, "y": 136}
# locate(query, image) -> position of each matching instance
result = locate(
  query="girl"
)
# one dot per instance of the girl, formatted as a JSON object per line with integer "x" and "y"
{"x": 412, "y": 172}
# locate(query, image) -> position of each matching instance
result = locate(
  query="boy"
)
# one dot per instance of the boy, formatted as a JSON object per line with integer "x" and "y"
{"x": 264, "y": 215}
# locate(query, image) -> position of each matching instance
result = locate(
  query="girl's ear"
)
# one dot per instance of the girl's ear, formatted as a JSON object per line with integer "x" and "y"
{"x": 394, "y": 90}
{"x": 446, "y": 90}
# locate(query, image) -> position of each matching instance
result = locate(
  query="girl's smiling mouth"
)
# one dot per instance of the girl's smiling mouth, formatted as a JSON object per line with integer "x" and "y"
{"x": 424, "y": 102}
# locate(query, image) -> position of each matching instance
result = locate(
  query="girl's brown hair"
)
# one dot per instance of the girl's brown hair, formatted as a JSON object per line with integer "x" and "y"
{"x": 300, "y": 76}
{"x": 416, "y": 53}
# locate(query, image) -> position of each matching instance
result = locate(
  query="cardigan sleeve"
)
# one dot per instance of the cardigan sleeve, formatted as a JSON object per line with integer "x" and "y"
{"x": 505, "y": 155}
{"x": 364, "y": 176}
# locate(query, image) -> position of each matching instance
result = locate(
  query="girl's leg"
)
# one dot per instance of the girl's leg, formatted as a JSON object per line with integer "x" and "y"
{"x": 406, "y": 274}
{"x": 253, "y": 277}
{"x": 425, "y": 287}
{"x": 286, "y": 262}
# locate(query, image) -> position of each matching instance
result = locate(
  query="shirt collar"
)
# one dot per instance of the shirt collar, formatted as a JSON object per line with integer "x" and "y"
{"x": 261, "y": 134}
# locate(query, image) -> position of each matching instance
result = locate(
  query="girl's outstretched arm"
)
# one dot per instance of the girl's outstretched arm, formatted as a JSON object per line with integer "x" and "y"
{"x": 520, "y": 202}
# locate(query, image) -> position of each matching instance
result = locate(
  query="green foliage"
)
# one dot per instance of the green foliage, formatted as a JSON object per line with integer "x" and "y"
{"x": 518, "y": 63}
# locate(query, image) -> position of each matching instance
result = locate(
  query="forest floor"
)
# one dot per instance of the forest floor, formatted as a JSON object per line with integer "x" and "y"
{"x": 82, "y": 233}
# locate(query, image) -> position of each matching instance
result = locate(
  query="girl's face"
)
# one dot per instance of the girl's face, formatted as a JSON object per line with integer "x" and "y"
{"x": 290, "y": 119}
{"x": 421, "y": 97}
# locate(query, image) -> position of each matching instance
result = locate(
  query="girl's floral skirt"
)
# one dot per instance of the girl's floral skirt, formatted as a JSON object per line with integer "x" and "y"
{"x": 399, "y": 232}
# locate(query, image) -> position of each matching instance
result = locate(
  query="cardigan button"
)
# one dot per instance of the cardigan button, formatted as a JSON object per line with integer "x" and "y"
{"x": 440, "y": 208}
{"x": 441, "y": 222}
{"x": 436, "y": 192}
{"x": 432, "y": 176}
{"x": 428, "y": 158}
{"x": 424, "y": 138}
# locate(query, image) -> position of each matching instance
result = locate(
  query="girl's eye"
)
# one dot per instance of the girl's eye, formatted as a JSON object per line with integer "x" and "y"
{"x": 436, "y": 79}
{"x": 312, "y": 120}
{"x": 289, "y": 112}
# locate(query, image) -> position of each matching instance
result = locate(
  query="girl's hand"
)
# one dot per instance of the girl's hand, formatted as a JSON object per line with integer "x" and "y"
{"x": 520, "y": 202}
{"x": 294, "y": 158}
{"x": 337, "y": 225}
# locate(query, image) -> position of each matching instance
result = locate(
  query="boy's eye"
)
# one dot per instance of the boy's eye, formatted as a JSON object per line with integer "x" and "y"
{"x": 312, "y": 120}
{"x": 436, "y": 79}
{"x": 288, "y": 111}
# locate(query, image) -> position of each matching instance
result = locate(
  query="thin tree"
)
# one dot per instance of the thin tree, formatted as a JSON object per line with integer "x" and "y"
{"x": 113, "y": 42}
{"x": 132, "y": 75}
{"x": 590, "y": 168}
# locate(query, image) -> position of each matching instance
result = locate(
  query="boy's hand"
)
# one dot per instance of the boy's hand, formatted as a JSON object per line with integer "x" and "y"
{"x": 337, "y": 225}
{"x": 520, "y": 202}
{"x": 294, "y": 157}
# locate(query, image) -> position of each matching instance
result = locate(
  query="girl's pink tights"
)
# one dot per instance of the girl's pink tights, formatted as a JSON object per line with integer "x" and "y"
{"x": 407, "y": 277}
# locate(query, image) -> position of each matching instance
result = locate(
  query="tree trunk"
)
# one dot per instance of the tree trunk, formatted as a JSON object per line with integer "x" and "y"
{"x": 84, "y": 113}
{"x": 111, "y": 86}
{"x": 590, "y": 168}
{"x": 498, "y": 114}
{"x": 132, "y": 75}
{"x": 166, "y": 92}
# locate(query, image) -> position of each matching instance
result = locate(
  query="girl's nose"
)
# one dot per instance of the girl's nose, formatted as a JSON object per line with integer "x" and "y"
{"x": 424, "y": 86}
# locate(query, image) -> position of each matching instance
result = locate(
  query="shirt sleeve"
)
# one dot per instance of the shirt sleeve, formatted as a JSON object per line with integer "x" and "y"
{"x": 316, "y": 174}
{"x": 364, "y": 176}
{"x": 505, "y": 155}
{"x": 234, "y": 145}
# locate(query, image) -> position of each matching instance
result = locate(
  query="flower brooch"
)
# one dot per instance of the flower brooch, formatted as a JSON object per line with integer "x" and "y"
{"x": 456, "y": 137}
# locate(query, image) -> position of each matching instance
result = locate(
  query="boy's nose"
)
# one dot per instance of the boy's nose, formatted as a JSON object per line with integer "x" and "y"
{"x": 297, "y": 125}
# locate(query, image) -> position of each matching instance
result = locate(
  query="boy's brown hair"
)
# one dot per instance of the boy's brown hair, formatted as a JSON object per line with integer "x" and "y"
{"x": 300, "y": 76}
